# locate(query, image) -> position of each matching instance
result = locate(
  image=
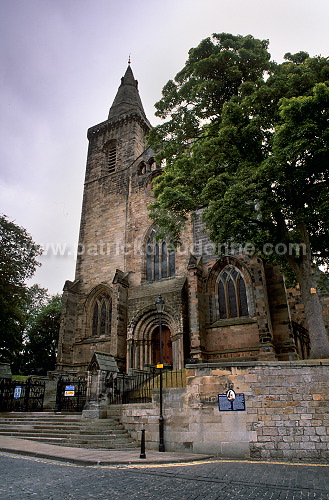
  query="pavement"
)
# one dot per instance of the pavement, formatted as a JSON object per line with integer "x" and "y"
{"x": 89, "y": 456}
{"x": 122, "y": 474}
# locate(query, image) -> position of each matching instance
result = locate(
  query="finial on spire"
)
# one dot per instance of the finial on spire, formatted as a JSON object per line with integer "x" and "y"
{"x": 129, "y": 59}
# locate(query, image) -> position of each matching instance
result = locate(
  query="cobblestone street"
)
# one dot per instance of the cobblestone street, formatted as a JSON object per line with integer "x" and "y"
{"x": 23, "y": 478}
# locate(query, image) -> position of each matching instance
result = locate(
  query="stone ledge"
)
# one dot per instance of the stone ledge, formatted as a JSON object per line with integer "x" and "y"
{"x": 229, "y": 351}
{"x": 295, "y": 363}
{"x": 232, "y": 322}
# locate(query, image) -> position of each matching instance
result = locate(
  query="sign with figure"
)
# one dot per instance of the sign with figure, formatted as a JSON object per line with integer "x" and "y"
{"x": 231, "y": 395}
{"x": 231, "y": 401}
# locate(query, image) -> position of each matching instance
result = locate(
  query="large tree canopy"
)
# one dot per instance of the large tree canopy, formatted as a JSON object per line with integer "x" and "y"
{"x": 42, "y": 336}
{"x": 18, "y": 262}
{"x": 247, "y": 140}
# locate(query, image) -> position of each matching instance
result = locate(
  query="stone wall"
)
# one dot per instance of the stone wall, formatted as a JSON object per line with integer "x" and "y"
{"x": 286, "y": 416}
{"x": 296, "y": 306}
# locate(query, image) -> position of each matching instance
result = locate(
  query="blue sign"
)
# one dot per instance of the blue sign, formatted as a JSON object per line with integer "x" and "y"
{"x": 17, "y": 392}
{"x": 237, "y": 404}
{"x": 69, "y": 390}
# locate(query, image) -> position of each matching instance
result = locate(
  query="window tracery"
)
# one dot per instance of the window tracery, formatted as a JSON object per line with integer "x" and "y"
{"x": 160, "y": 258}
{"x": 232, "y": 293}
{"x": 101, "y": 318}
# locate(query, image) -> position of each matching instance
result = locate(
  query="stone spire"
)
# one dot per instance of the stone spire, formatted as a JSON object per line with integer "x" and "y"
{"x": 127, "y": 101}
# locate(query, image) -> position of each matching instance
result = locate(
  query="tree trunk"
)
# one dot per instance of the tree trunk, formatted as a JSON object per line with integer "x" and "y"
{"x": 313, "y": 316}
{"x": 312, "y": 304}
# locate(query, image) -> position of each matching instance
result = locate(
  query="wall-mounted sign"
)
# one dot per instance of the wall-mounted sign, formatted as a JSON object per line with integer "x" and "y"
{"x": 17, "y": 392}
{"x": 231, "y": 401}
{"x": 69, "y": 390}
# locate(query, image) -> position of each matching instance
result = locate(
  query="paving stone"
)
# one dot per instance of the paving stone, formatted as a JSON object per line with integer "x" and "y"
{"x": 24, "y": 478}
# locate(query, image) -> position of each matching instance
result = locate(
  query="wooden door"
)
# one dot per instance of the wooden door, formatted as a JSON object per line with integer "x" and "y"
{"x": 166, "y": 346}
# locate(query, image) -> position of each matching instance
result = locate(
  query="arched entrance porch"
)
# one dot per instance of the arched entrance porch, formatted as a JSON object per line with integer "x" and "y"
{"x": 143, "y": 342}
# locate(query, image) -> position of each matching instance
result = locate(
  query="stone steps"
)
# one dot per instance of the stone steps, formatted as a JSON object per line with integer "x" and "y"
{"x": 81, "y": 429}
{"x": 62, "y": 434}
{"x": 66, "y": 430}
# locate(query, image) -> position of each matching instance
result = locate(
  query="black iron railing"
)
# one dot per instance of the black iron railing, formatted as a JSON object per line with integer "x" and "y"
{"x": 138, "y": 386}
{"x": 71, "y": 394}
{"x": 21, "y": 396}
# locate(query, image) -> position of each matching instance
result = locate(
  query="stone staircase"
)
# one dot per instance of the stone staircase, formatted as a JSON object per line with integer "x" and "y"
{"x": 66, "y": 430}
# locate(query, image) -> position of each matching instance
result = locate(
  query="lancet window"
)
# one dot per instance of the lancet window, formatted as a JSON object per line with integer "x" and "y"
{"x": 102, "y": 313}
{"x": 160, "y": 258}
{"x": 232, "y": 293}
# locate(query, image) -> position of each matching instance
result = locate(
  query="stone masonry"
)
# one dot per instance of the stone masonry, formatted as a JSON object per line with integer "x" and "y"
{"x": 286, "y": 416}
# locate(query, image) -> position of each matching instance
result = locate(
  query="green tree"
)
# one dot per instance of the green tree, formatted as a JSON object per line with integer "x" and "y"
{"x": 36, "y": 298}
{"x": 42, "y": 337}
{"x": 257, "y": 163}
{"x": 18, "y": 262}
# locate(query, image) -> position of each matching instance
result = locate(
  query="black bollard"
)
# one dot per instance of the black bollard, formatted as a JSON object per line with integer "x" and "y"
{"x": 142, "y": 455}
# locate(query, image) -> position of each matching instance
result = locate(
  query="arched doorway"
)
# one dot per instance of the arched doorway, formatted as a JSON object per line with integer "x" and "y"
{"x": 166, "y": 346}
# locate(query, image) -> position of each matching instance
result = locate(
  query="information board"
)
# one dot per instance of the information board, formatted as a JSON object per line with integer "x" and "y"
{"x": 69, "y": 390}
{"x": 238, "y": 404}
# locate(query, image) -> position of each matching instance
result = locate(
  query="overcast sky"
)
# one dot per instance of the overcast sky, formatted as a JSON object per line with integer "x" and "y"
{"x": 60, "y": 67}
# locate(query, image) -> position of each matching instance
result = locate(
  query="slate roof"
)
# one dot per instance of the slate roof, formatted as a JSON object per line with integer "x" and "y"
{"x": 155, "y": 288}
{"x": 127, "y": 101}
{"x": 105, "y": 362}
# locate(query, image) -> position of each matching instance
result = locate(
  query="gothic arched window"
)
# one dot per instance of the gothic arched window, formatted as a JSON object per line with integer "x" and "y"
{"x": 232, "y": 294}
{"x": 102, "y": 313}
{"x": 160, "y": 258}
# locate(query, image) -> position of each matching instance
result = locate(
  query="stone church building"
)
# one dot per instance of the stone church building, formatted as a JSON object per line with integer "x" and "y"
{"x": 233, "y": 308}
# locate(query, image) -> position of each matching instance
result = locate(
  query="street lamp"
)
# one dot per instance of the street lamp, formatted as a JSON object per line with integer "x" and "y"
{"x": 160, "y": 307}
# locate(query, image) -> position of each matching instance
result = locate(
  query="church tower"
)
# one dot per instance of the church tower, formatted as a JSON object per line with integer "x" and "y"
{"x": 118, "y": 258}
{"x": 114, "y": 146}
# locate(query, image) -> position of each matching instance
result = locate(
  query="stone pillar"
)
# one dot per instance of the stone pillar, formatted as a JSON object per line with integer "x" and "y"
{"x": 119, "y": 318}
{"x": 68, "y": 326}
{"x": 102, "y": 371}
{"x": 130, "y": 354}
{"x": 196, "y": 319}
{"x": 178, "y": 351}
{"x": 93, "y": 405}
